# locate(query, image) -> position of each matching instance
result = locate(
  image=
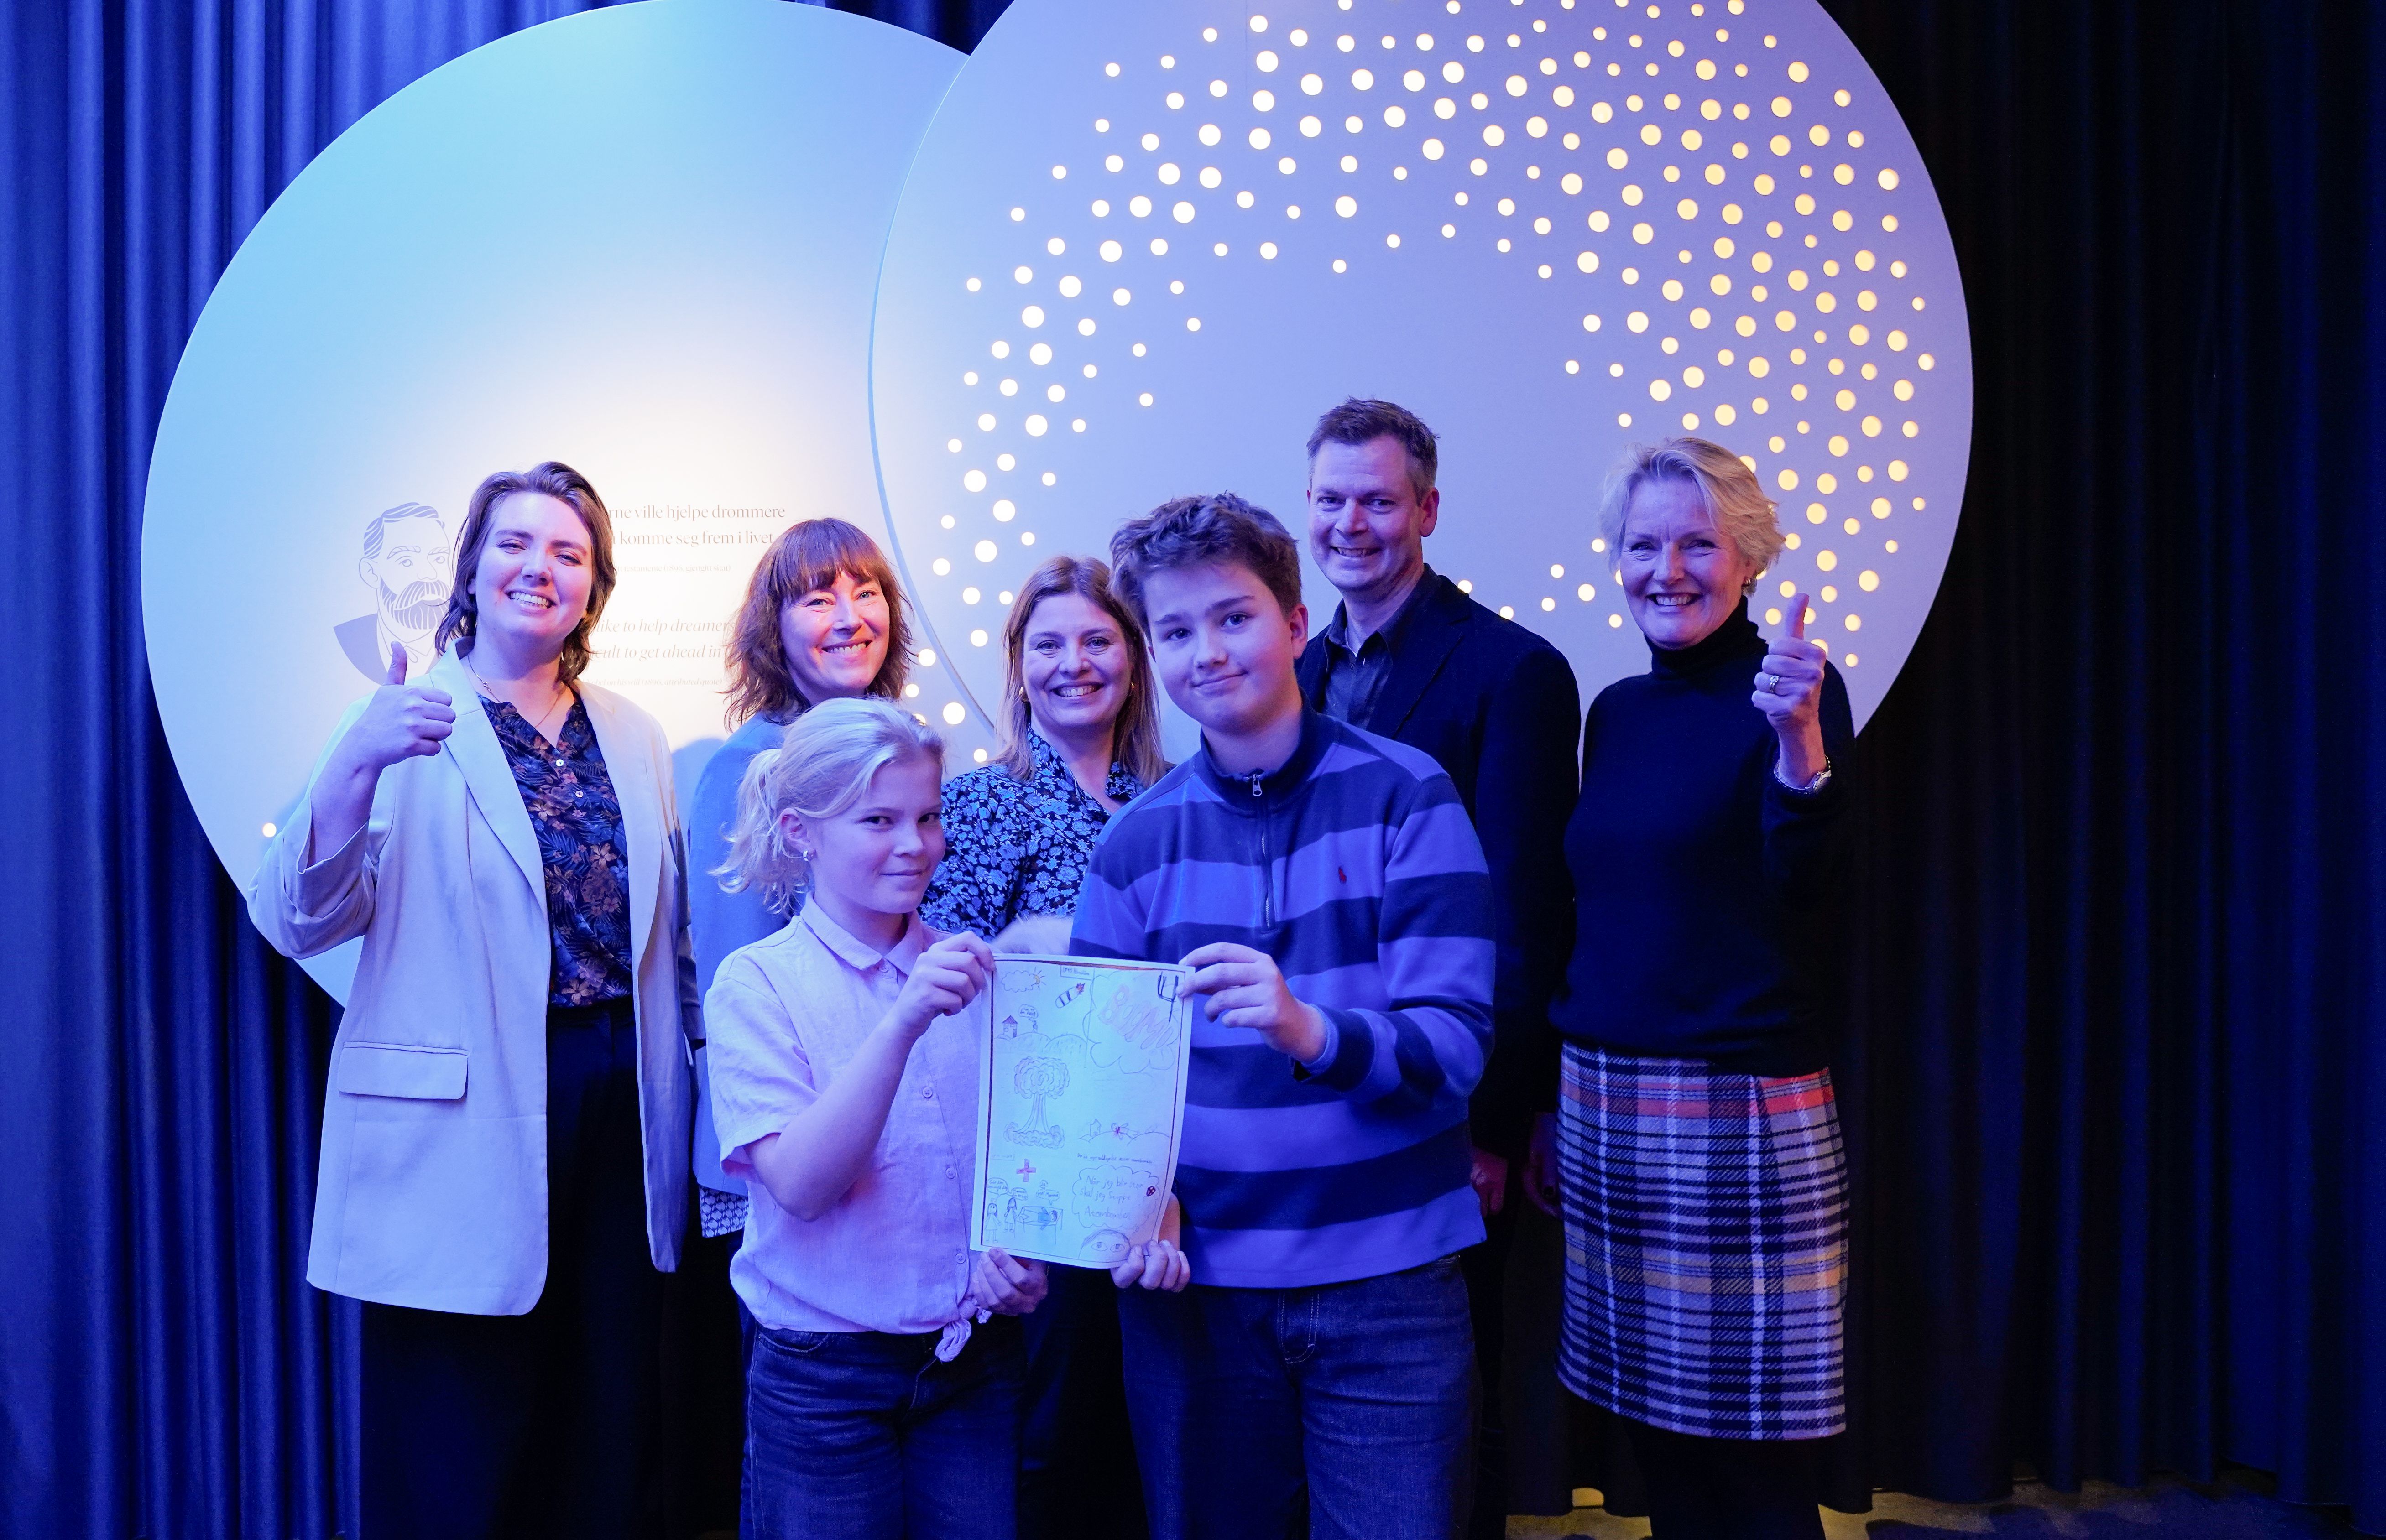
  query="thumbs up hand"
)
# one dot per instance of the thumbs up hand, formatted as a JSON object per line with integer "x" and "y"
{"x": 1789, "y": 692}
{"x": 401, "y": 721}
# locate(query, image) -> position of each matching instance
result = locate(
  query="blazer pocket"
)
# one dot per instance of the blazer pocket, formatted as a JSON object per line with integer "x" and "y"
{"x": 400, "y": 1069}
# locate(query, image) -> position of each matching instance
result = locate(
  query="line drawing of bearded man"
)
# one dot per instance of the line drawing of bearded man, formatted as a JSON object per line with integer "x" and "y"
{"x": 410, "y": 564}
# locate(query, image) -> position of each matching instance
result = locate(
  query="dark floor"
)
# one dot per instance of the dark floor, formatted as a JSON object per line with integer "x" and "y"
{"x": 2235, "y": 1507}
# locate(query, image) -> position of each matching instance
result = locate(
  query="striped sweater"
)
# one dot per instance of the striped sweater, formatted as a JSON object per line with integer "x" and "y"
{"x": 1355, "y": 867}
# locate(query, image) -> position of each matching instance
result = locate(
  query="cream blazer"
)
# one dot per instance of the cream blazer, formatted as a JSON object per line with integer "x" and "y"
{"x": 432, "y": 1190}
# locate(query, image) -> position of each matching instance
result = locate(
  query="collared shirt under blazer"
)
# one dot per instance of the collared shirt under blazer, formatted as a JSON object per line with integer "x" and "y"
{"x": 432, "y": 1187}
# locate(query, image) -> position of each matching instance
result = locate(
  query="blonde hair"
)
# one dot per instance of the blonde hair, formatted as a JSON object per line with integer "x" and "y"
{"x": 1135, "y": 733}
{"x": 819, "y": 769}
{"x": 1734, "y": 499}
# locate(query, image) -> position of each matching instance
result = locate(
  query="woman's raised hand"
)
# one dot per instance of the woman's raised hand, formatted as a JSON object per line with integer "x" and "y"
{"x": 1789, "y": 692}
{"x": 1789, "y": 681}
{"x": 945, "y": 980}
{"x": 401, "y": 721}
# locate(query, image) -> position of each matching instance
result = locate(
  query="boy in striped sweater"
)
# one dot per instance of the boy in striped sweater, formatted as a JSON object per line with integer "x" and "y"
{"x": 1327, "y": 889}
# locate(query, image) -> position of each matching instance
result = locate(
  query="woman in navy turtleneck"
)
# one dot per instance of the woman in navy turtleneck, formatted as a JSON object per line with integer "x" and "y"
{"x": 1695, "y": 1154}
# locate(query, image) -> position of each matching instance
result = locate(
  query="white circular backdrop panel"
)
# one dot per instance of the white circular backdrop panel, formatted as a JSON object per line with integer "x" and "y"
{"x": 644, "y": 240}
{"x": 1143, "y": 246}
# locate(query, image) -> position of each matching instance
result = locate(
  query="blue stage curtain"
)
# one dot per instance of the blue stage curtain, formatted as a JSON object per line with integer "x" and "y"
{"x": 2116, "y": 1060}
{"x": 2119, "y": 1015}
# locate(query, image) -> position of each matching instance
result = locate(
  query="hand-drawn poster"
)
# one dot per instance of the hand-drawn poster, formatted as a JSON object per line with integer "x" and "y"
{"x": 1081, "y": 1100}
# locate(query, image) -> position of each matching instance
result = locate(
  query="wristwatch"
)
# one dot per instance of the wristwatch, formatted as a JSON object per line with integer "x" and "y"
{"x": 1822, "y": 778}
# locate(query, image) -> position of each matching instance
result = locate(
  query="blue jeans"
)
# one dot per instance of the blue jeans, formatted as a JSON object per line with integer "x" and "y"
{"x": 863, "y": 1435}
{"x": 1343, "y": 1411}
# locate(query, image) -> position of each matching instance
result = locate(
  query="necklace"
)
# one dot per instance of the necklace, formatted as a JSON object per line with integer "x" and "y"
{"x": 538, "y": 723}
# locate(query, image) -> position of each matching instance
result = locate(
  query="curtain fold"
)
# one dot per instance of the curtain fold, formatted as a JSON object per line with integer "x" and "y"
{"x": 2116, "y": 1067}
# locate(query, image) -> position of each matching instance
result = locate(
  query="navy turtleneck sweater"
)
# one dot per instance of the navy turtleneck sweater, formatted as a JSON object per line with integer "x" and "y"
{"x": 1704, "y": 889}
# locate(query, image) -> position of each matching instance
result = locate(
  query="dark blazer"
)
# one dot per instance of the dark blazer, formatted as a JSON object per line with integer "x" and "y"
{"x": 1497, "y": 707}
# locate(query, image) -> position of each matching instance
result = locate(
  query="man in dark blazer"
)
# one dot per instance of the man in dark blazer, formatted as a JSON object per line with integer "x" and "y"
{"x": 1409, "y": 656}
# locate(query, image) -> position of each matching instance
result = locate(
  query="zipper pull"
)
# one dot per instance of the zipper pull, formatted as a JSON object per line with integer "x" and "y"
{"x": 1255, "y": 784}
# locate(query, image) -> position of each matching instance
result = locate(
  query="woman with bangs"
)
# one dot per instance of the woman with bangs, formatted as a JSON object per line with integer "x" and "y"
{"x": 822, "y": 620}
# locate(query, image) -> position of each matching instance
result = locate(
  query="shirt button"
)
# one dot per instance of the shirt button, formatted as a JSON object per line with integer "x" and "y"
{"x": 926, "y": 1094}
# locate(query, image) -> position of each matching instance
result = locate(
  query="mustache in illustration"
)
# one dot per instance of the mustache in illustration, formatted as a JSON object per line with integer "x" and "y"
{"x": 416, "y": 609}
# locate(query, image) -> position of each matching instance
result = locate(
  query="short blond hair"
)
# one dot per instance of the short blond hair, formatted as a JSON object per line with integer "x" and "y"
{"x": 819, "y": 769}
{"x": 1734, "y": 499}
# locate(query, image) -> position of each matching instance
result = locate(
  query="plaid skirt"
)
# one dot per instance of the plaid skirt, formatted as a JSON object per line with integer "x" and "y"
{"x": 1706, "y": 1245}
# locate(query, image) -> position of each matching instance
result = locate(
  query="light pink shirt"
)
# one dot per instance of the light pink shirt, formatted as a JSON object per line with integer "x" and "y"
{"x": 783, "y": 1017}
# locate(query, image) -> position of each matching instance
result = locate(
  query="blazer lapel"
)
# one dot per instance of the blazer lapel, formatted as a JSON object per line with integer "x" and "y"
{"x": 632, "y": 768}
{"x": 487, "y": 774}
{"x": 1432, "y": 635}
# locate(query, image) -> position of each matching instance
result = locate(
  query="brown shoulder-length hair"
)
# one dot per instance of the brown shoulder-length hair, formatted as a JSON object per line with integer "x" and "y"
{"x": 805, "y": 558}
{"x": 552, "y": 478}
{"x": 1134, "y": 735}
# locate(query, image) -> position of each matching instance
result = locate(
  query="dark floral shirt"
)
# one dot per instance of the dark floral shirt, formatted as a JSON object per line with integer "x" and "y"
{"x": 578, "y": 821}
{"x": 1016, "y": 847}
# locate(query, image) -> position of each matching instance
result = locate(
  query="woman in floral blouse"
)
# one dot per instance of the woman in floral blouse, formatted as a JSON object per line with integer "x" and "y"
{"x": 1081, "y": 737}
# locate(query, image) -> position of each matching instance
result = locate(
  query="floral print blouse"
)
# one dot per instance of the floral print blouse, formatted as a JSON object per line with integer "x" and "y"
{"x": 578, "y": 821}
{"x": 1016, "y": 847}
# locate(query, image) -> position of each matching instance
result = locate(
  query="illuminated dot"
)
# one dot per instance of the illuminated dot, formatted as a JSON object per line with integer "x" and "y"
{"x": 1144, "y": 400}
{"x": 1005, "y": 510}
{"x": 984, "y": 550}
{"x": 985, "y": 422}
{"x": 1854, "y": 622}
{"x": 953, "y": 445}
{"x": 1584, "y": 592}
{"x": 1773, "y": 616}
{"x": 1120, "y": 296}
{"x": 268, "y": 830}
{"x": 1261, "y": 139}
{"x": 979, "y": 755}
{"x": 1868, "y": 581}
{"x": 1787, "y": 480}
{"x": 954, "y": 714}
{"x": 1346, "y": 206}
{"x": 1267, "y": 251}
{"x": 1507, "y": 612}
{"x": 1340, "y": 266}
{"x": 1615, "y": 621}
{"x": 974, "y": 481}
{"x": 1036, "y": 426}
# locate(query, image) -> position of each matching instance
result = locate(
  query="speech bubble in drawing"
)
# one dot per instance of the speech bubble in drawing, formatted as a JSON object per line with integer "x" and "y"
{"x": 1125, "y": 1193}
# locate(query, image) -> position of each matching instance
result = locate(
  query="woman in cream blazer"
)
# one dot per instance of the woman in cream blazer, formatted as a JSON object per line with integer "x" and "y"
{"x": 504, "y": 1168}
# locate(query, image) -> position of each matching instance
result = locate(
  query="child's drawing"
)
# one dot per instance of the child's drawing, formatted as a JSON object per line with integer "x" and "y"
{"x": 1038, "y": 1080}
{"x": 1081, "y": 1097}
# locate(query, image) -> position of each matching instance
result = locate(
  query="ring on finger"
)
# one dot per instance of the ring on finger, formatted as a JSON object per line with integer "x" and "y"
{"x": 1766, "y": 682}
